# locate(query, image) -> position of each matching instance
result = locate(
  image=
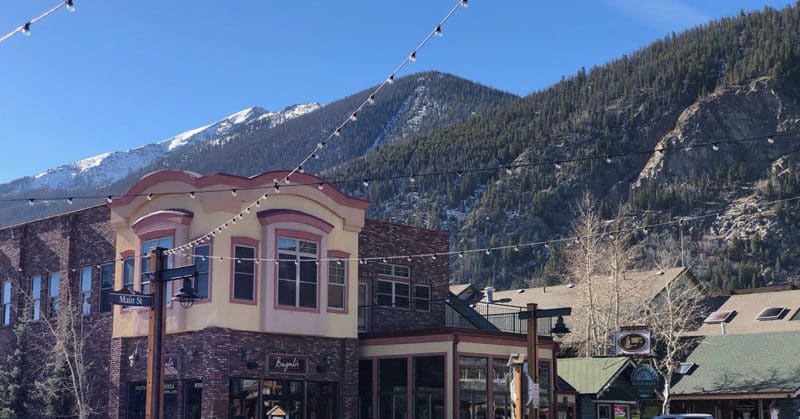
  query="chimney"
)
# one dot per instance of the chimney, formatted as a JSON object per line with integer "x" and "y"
{"x": 489, "y": 295}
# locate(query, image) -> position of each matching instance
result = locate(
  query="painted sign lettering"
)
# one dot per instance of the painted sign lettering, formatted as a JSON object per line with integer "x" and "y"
{"x": 286, "y": 364}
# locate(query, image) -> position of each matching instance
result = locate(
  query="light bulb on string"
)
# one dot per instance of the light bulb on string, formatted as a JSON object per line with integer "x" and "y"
{"x": 315, "y": 155}
{"x": 461, "y": 254}
{"x": 715, "y": 147}
{"x": 609, "y": 159}
{"x": 433, "y": 256}
{"x": 770, "y": 140}
{"x": 365, "y": 182}
{"x": 69, "y": 200}
{"x": 438, "y": 30}
{"x": 353, "y": 117}
{"x": 258, "y": 203}
{"x": 234, "y": 192}
{"x": 412, "y": 179}
{"x": 70, "y": 5}
{"x": 149, "y": 197}
{"x": 30, "y": 201}
{"x": 321, "y": 186}
{"x": 488, "y": 251}
{"x": 465, "y": 3}
{"x": 338, "y": 132}
{"x": 390, "y": 79}
{"x": 109, "y": 199}
{"x": 192, "y": 195}
{"x": 413, "y": 56}
{"x": 508, "y": 170}
{"x": 26, "y": 29}
{"x": 371, "y": 100}
{"x": 300, "y": 169}
{"x": 557, "y": 165}
{"x": 408, "y": 258}
{"x": 276, "y": 188}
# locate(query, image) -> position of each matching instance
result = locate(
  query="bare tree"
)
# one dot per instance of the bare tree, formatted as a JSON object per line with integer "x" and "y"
{"x": 584, "y": 266}
{"x": 67, "y": 334}
{"x": 670, "y": 315}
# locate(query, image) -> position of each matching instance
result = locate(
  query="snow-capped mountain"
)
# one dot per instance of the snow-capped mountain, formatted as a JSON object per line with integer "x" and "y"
{"x": 107, "y": 168}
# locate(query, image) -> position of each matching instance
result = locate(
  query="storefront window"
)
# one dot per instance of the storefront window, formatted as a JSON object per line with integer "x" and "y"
{"x": 603, "y": 411}
{"x": 286, "y": 394}
{"x": 244, "y": 398}
{"x": 192, "y": 398}
{"x": 544, "y": 385}
{"x": 365, "y": 389}
{"x": 323, "y": 401}
{"x": 429, "y": 387}
{"x": 620, "y": 411}
{"x": 472, "y": 388}
{"x": 501, "y": 392}
{"x": 392, "y": 382}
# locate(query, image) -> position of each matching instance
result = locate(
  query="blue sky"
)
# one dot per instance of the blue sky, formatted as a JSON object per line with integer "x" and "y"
{"x": 117, "y": 74}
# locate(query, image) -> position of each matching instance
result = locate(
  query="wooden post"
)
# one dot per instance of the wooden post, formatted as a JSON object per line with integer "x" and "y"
{"x": 155, "y": 347}
{"x": 518, "y": 377}
{"x": 533, "y": 358}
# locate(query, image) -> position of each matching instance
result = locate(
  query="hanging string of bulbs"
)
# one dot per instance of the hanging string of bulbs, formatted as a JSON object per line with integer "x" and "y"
{"x": 25, "y": 28}
{"x": 337, "y": 132}
{"x": 367, "y": 179}
{"x": 490, "y": 249}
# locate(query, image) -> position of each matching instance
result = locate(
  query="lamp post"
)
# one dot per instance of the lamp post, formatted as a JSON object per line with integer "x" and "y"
{"x": 155, "y": 340}
{"x": 532, "y": 314}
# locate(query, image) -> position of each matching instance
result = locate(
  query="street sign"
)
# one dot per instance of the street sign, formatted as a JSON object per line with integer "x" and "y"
{"x": 136, "y": 300}
{"x": 546, "y": 312}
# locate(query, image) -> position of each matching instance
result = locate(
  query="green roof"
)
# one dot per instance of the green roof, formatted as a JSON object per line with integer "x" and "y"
{"x": 744, "y": 363}
{"x": 589, "y": 375}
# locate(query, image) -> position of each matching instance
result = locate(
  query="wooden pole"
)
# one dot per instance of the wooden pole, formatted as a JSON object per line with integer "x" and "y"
{"x": 155, "y": 340}
{"x": 533, "y": 358}
{"x": 518, "y": 377}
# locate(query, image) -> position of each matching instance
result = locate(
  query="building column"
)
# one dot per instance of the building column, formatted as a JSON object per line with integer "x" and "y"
{"x": 116, "y": 389}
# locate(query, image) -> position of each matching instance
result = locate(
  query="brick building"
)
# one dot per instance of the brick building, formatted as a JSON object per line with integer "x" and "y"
{"x": 305, "y": 305}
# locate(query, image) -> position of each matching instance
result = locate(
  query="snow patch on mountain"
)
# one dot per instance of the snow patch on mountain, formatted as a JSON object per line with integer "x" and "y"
{"x": 107, "y": 168}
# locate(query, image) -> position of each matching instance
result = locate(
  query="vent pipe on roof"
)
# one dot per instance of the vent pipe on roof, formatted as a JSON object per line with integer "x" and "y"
{"x": 489, "y": 295}
{"x": 722, "y": 328}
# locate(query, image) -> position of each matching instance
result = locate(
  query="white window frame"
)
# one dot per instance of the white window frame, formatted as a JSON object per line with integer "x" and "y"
{"x": 299, "y": 258}
{"x": 393, "y": 294}
{"x": 6, "y": 303}
{"x": 36, "y": 296}
{"x": 336, "y": 266}
{"x": 86, "y": 290}
{"x": 427, "y": 300}
{"x": 393, "y": 270}
{"x": 145, "y": 248}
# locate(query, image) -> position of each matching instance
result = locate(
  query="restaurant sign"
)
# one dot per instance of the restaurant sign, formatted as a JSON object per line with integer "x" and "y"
{"x": 644, "y": 378}
{"x": 286, "y": 364}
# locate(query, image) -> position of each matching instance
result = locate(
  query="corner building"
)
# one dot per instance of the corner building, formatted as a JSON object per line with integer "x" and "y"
{"x": 266, "y": 334}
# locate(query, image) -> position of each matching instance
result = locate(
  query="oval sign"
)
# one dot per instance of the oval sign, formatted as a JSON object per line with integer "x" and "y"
{"x": 632, "y": 341}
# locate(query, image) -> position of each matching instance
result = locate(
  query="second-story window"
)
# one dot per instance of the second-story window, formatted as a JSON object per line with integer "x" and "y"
{"x": 147, "y": 246}
{"x": 297, "y": 273}
{"x": 244, "y": 273}
{"x": 52, "y": 311}
{"x": 422, "y": 297}
{"x": 201, "y": 263}
{"x": 337, "y": 287}
{"x": 399, "y": 271}
{"x": 393, "y": 294}
{"x": 106, "y": 286}
{"x": 6, "y": 302}
{"x": 86, "y": 290}
{"x": 36, "y": 295}
{"x": 127, "y": 273}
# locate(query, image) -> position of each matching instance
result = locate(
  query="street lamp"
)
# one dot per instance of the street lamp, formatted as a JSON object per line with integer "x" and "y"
{"x": 187, "y": 295}
{"x": 560, "y": 329}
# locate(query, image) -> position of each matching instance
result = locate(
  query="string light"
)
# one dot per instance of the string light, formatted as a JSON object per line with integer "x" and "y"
{"x": 192, "y": 195}
{"x": 370, "y": 100}
{"x": 365, "y": 182}
{"x": 149, "y": 197}
{"x": 715, "y": 147}
{"x": 460, "y": 172}
{"x": 390, "y": 79}
{"x": 413, "y": 56}
{"x": 26, "y": 27}
{"x": 353, "y": 117}
{"x": 234, "y": 192}
{"x": 770, "y": 140}
{"x": 69, "y": 200}
{"x": 438, "y": 31}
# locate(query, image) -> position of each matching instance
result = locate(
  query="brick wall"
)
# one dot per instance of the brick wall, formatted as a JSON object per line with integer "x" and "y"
{"x": 215, "y": 355}
{"x": 61, "y": 244}
{"x": 384, "y": 239}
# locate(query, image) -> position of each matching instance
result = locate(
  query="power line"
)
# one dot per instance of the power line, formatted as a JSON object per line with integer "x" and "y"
{"x": 25, "y": 28}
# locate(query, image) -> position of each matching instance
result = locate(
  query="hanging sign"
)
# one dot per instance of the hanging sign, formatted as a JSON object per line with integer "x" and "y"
{"x": 632, "y": 341}
{"x": 134, "y": 300}
{"x": 644, "y": 378}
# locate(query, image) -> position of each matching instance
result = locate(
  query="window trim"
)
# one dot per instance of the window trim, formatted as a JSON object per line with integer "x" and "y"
{"x": 6, "y": 305}
{"x": 84, "y": 297}
{"x": 34, "y": 300}
{"x": 138, "y": 269}
{"x": 298, "y": 235}
{"x": 210, "y": 258}
{"x": 244, "y": 242}
{"x": 111, "y": 289}
{"x": 345, "y": 257}
{"x": 430, "y": 290}
{"x": 394, "y": 294}
{"x": 50, "y": 296}
{"x": 392, "y": 275}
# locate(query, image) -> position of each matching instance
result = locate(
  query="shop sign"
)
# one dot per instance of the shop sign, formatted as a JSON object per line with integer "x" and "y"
{"x": 632, "y": 340}
{"x": 286, "y": 364}
{"x": 745, "y": 406}
{"x": 644, "y": 379}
